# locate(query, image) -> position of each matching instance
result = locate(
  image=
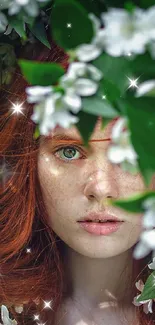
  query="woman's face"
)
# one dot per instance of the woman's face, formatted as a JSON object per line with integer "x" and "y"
{"x": 76, "y": 181}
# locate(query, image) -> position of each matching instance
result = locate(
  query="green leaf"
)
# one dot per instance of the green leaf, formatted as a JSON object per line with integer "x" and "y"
{"x": 86, "y": 126}
{"x": 130, "y": 6}
{"x": 36, "y": 132}
{"x": 134, "y": 202}
{"x": 142, "y": 66}
{"x": 41, "y": 73}
{"x": 109, "y": 89}
{"x": 149, "y": 288}
{"x": 141, "y": 118}
{"x": 146, "y": 3}
{"x": 115, "y": 70}
{"x": 105, "y": 121}
{"x": 18, "y": 25}
{"x": 91, "y": 6}
{"x": 38, "y": 30}
{"x": 66, "y": 12}
{"x": 97, "y": 105}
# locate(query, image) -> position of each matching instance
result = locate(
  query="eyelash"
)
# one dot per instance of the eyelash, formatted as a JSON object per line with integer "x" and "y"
{"x": 64, "y": 147}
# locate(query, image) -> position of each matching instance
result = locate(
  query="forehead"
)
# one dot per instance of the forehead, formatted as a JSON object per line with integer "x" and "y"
{"x": 97, "y": 133}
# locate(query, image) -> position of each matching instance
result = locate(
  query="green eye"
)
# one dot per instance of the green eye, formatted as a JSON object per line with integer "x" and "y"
{"x": 68, "y": 152}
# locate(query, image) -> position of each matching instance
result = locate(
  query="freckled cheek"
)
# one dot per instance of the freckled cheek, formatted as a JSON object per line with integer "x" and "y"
{"x": 57, "y": 183}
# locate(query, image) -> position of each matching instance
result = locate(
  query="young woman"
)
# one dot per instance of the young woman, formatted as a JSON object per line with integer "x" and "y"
{"x": 60, "y": 272}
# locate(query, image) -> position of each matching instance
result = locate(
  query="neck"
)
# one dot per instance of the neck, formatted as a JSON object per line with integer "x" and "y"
{"x": 97, "y": 281}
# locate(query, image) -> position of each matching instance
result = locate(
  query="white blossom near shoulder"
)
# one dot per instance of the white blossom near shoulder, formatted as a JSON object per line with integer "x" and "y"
{"x": 5, "y": 317}
{"x": 147, "y": 237}
{"x": 147, "y": 304}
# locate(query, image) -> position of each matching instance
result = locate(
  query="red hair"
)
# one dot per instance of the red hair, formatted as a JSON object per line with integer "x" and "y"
{"x": 23, "y": 224}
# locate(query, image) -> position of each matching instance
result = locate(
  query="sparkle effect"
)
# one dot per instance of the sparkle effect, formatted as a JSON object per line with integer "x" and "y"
{"x": 28, "y": 250}
{"x": 103, "y": 97}
{"x": 17, "y": 108}
{"x": 47, "y": 304}
{"x": 69, "y": 25}
{"x": 36, "y": 317}
{"x": 133, "y": 83}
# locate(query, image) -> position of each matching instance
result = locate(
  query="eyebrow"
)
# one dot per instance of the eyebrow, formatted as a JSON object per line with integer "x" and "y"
{"x": 66, "y": 138}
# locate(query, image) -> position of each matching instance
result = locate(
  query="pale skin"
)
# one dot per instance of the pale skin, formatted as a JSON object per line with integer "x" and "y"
{"x": 71, "y": 190}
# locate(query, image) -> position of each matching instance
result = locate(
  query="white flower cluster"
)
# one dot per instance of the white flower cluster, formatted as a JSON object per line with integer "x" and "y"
{"x": 147, "y": 237}
{"x": 123, "y": 33}
{"x": 147, "y": 304}
{"x": 14, "y": 7}
{"x": 80, "y": 80}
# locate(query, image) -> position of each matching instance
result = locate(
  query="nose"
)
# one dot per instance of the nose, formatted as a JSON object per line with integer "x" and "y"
{"x": 100, "y": 186}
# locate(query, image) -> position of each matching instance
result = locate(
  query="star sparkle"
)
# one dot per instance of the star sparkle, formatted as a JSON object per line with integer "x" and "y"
{"x": 17, "y": 108}
{"x": 133, "y": 82}
{"x": 28, "y": 250}
{"x": 47, "y": 304}
{"x": 36, "y": 317}
{"x": 69, "y": 25}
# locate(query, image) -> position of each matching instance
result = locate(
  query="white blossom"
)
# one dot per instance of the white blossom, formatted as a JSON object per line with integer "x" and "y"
{"x": 89, "y": 52}
{"x": 3, "y": 22}
{"x": 149, "y": 215}
{"x": 81, "y": 69}
{"x": 146, "y": 88}
{"x": 19, "y": 308}
{"x": 122, "y": 151}
{"x": 152, "y": 265}
{"x": 122, "y": 32}
{"x": 30, "y": 7}
{"x": 81, "y": 86}
{"x": 145, "y": 245}
{"x": 5, "y": 317}
{"x": 53, "y": 111}
{"x": 147, "y": 304}
{"x": 146, "y": 23}
{"x": 37, "y": 93}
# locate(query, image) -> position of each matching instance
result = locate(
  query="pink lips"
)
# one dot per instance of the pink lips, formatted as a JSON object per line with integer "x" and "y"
{"x": 101, "y": 228}
{"x": 100, "y": 216}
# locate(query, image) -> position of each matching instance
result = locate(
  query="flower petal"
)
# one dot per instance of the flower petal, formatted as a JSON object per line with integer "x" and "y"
{"x": 96, "y": 22}
{"x": 152, "y": 265}
{"x": 148, "y": 219}
{"x": 95, "y": 73}
{"x": 148, "y": 237}
{"x": 146, "y": 88}
{"x": 136, "y": 303}
{"x": 147, "y": 307}
{"x": 140, "y": 285}
{"x": 115, "y": 154}
{"x": 87, "y": 52}
{"x": 118, "y": 128}
{"x": 73, "y": 102}
{"x": 77, "y": 69}
{"x": 85, "y": 87}
{"x": 141, "y": 250}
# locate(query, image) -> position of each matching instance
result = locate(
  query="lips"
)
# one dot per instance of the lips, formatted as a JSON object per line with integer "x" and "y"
{"x": 100, "y": 218}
